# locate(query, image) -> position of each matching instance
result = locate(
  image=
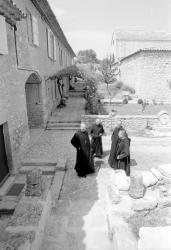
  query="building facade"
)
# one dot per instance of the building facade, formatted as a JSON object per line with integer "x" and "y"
{"x": 126, "y": 42}
{"x": 148, "y": 71}
{"x": 33, "y": 47}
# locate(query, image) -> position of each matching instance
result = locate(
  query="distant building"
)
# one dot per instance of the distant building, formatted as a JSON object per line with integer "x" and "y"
{"x": 144, "y": 59}
{"x": 148, "y": 71}
{"x": 32, "y": 47}
{"x": 126, "y": 42}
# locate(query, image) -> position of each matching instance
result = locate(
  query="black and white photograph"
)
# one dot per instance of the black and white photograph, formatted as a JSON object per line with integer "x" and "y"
{"x": 85, "y": 125}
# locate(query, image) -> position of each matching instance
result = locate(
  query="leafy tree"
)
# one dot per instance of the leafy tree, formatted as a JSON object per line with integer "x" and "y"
{"x": 109, "y": 70}
{"x": 87, "y": 56}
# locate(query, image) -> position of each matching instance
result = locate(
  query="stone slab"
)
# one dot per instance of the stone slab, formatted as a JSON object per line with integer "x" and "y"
{"x": 121, "y": 235}
{"x": 144, "y": 204}
{"x": 119, "y": 179}
{"x": 149, "y": 179}
{"x": 155, "y": 238}
{"x": 157, "y": 173}
{"x": 165, "y": 170}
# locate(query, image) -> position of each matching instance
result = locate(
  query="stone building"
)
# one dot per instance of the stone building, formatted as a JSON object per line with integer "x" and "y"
{"x": 148, "y": 71}
{"x": 144, "y": 60}
{"x": 126, "y": 42}
{"x": 32, "y": 47}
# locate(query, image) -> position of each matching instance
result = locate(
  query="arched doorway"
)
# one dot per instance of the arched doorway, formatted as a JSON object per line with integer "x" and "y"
{"x": 34, "y": 101}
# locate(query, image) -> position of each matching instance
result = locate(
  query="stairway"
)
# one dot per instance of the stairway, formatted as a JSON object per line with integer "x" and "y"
{"x": 63, "y": 125}
{"x": 76, "y": 93}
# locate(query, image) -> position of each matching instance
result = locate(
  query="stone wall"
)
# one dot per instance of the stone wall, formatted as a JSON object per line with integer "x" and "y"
{"x": 149, "y": 73}
{"x": 130, "y": 123}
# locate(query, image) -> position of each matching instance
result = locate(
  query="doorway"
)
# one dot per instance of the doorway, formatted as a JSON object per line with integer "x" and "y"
{"x": 4, "y": 169}
{"x": 33, "y": 101}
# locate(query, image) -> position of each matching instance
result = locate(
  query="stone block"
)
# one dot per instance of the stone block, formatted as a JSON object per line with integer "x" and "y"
{"x": 165, "y": 170}
{"x": 164, "y": 202}
{"x": 123, "y": 238}
{"x": 119, "y": 179}
{"x": 144, "y": 204}
{"x": 149, "y": 179}
{"x": 137, "y": 188}
{"x": 113, "y": 194}
{"x": 157, "y": 173}
{"x": 154, "y": 238}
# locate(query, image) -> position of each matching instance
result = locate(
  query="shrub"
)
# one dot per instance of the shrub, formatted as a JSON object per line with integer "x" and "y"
{"x": 118, "y": 84}
{"x": 129, "y": 98}
{"x": 128, "y": 88}
{"x": 140, "y": 101}
{"x": 125, "y": 101}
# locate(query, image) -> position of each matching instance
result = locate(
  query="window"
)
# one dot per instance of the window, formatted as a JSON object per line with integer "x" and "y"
{"x": 3, "y": 37}
{"x": 32, "y": 29}
{"x": 51, "y": 40}
{"x": 35, "y": 31}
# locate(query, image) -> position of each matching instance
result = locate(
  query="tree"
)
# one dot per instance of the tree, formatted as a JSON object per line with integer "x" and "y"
{"x": 108, "y": 69}
{"x": 87, "y": 56}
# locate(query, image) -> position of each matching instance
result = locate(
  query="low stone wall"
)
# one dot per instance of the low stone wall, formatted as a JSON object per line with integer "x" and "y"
{"x": 130, "y": 123}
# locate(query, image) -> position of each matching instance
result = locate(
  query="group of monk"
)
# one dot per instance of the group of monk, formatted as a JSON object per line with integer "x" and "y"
{"x": 89, "y": 145}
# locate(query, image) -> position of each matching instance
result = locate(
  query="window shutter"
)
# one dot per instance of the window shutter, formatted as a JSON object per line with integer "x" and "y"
{"x": 48, "y": 42}
{"x": 55, "y": 51}
{"x": 35, "y": 31}
{"x": 3, "y": 36}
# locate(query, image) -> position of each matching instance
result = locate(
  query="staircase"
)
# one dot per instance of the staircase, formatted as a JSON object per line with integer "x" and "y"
{"x": 63, "y": 125}
{"x": 76, "y": 93}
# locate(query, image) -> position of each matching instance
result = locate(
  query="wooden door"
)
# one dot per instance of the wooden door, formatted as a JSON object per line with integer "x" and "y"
{"x": 4, "y": 170}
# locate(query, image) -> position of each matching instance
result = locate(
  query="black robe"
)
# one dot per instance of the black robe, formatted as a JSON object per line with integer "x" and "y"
{"x": 123, "y": 151}
{"x": 96, "y": 143}
{"x": 115, "y": 139}
{"x": 84, "y": 161}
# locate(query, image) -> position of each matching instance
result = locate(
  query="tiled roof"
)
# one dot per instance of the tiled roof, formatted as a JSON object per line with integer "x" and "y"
{"x": 45, "y": 9}
{"x": 10, "y": 11}
{"x": 139, "y": 35}
{"x": 145, "y": 50}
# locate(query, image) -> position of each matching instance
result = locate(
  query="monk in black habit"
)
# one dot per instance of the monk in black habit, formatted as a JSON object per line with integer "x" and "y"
{"x": 96, "y": 132}
{"x": 84, "y": 160}
{"x": 115, "y": 139}
{"x": 123, "y": 152}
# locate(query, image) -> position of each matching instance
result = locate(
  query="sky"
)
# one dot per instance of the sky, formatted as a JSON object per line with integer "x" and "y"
{"x": 89, "y": 24}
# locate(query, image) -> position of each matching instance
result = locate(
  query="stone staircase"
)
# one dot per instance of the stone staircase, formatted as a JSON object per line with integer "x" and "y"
{"x": 63, "y": 125}
{"x": 76, "y": 93}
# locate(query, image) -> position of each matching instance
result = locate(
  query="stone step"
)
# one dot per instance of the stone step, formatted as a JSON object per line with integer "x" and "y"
{"x": 8, "y": 205}
{"x": 44, "y": 169}
{"x": 63, "y": 124}
{"x": 62, "y": 128}
{"x": 38, "y": 163}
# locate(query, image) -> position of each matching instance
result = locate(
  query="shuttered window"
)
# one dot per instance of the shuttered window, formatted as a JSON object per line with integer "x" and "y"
{"x": 51, "y": 43}
{"x": 32, "y": 29}
{"x": 3, "y": 36}
{"x": 35, "y": 31}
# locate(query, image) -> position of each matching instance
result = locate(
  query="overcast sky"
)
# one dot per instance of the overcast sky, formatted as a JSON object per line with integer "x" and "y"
{"x": 88, "y": 24}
